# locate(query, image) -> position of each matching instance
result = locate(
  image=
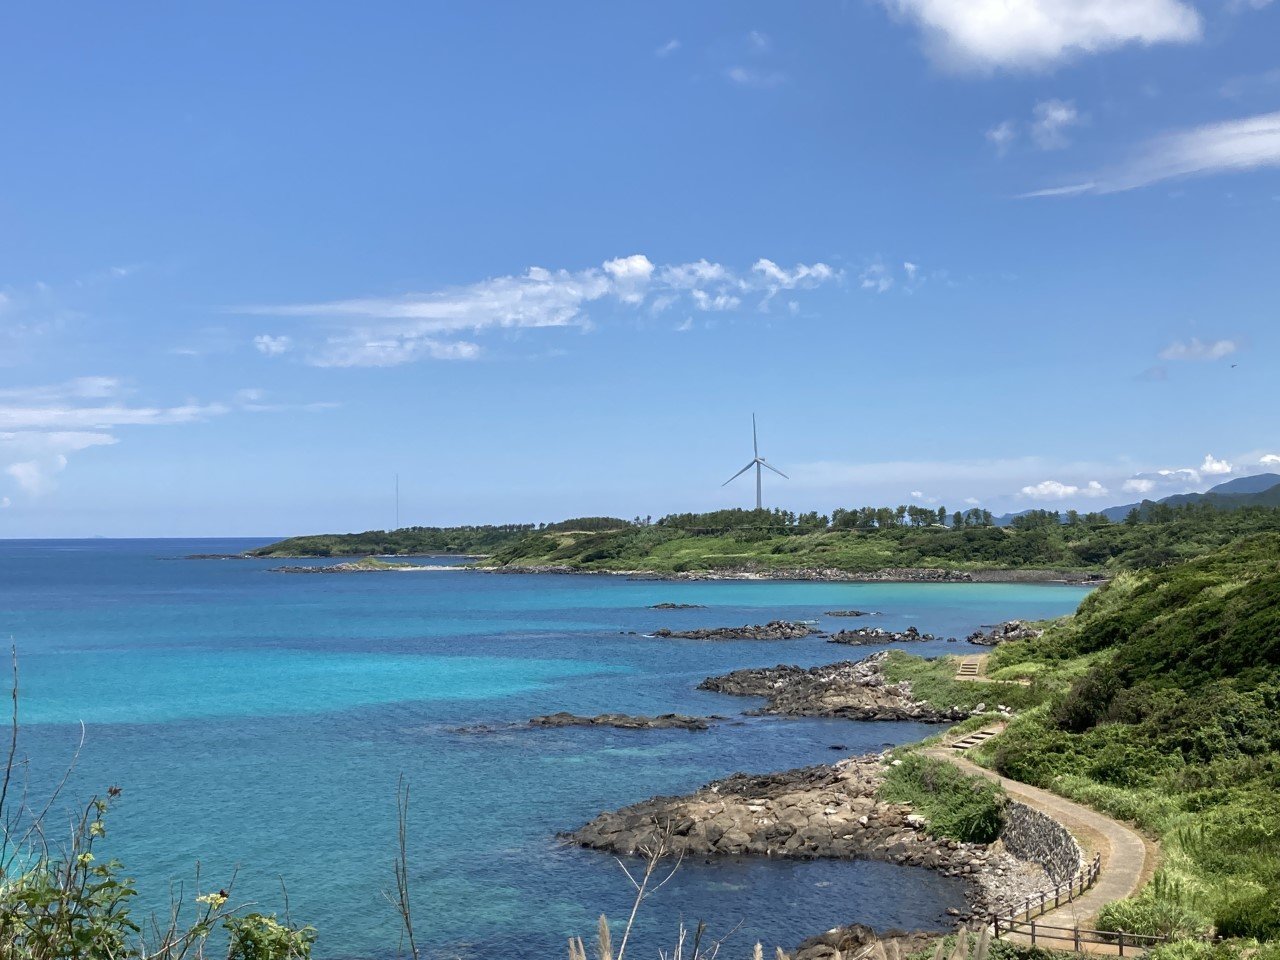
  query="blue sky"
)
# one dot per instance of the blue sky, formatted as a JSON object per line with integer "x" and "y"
{"x": 546, "y": 260}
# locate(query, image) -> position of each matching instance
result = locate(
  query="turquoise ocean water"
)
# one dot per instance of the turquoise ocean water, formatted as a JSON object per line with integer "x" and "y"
{"x": 260, "y": 722}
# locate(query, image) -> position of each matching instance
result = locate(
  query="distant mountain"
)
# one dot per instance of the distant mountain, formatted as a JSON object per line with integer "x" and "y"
{"x": 1259, "y": 483}
{"x": 1261, "y": 490}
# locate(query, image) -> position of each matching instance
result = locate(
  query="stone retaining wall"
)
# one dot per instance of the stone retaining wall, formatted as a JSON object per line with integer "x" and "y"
{"x": 1031, "y": 835}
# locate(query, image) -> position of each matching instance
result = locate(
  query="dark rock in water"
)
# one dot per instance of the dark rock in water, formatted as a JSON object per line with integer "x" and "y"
{"x": 677, "y": 606}
{"x": 217, "y": 556}
{"x": 837, "y": 746}
{"x": 773, "y": 630}
{"x": 1003, "y": 633}
{"x": 622, "y": 721}
{"x": 852, "y": 690}
{"x": 865, "y": 636}
{"x": 850, "y": 613}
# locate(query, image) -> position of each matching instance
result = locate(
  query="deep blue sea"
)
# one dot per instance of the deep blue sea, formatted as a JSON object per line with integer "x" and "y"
{"x": 259, "y": 722}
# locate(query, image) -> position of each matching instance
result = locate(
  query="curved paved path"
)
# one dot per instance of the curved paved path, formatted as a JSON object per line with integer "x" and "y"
{"x": 1128, "y": 859}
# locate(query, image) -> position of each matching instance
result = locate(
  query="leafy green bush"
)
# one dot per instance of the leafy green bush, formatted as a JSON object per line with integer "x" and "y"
{"x": 957, "y": 806}
{"x": 71, "y": 906}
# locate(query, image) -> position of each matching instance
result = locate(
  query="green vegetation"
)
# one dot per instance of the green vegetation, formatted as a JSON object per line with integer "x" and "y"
{"x": 935, "y": 681}
{"x": 406, "y": 541}
{"x": 68, "y": 904}
{"x": 957, "y": 806}
{"x": 875, "y": 539}
{"x": 1159, "y": 703}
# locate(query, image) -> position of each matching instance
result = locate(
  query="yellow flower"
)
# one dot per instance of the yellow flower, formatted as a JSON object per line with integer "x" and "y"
{"x": 84, "y": 859}
{"x": 213, "y": 900}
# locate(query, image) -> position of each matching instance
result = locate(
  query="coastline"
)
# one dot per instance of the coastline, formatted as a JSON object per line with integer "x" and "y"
{"x": 826, "y": 575}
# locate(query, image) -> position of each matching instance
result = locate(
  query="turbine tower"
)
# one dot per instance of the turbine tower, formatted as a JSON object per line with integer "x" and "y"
{"x": 757, "y": 462}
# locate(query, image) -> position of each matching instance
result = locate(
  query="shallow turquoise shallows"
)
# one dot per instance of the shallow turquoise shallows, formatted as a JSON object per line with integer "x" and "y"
{"x": 261, "y": 720}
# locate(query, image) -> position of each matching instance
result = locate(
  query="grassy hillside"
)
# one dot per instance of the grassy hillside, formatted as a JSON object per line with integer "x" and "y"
{"x": 773, "y": 540}
{"x": 1160, "y": 704}
{"x": 403, "y": 542}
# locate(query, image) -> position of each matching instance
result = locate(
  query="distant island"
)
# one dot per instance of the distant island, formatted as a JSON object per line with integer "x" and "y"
{"x": 882, "y": 543}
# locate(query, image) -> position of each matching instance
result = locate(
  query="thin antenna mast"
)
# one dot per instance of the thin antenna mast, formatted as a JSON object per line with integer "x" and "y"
{"x": 397, "y": 501}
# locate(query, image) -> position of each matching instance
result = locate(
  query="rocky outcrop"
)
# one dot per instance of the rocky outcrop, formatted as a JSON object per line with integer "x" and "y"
{"x": 827, "y": 574}
{"x": 1003, "y": 633}
{"x": 623, "y": 721}
{"x": 773, "y": 630}
{"x": 364, "y": 565}
{"x": 618, "y": 721}
{"x": 866, "y": 636}
{"x": 812, "y": 812}
{"x": 849, "y": 613}
{"x": 855, "y": 940}
{"x": 677, "y": 606}
{"x": 1031, "y": 835}
{"x": 851, "y": 690}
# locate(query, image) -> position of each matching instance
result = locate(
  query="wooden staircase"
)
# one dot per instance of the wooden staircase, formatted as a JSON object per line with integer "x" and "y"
{"x": 971, "y": 740}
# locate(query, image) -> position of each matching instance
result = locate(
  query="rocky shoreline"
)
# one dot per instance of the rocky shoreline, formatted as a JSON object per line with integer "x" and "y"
{"x": 773, "y": 630}
{"x": 808, "y": 813}
{"x": 849, "y": 690}
{"x": 824, "y": 574}
{"x": 1003, "y": 633}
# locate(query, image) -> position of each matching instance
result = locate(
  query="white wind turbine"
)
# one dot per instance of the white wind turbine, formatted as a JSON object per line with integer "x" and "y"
{"x": 757, "y": 462}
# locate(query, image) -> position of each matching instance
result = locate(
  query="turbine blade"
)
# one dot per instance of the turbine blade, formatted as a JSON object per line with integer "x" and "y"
{"x": 755, "y": 444}
{"x": 738, "y": 474}
{"x": 775, "y": 469}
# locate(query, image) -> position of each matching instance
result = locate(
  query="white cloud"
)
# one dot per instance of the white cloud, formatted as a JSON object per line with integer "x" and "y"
{"x": 972, "y": 501}
{"x": 5, "y": 502}
{"x": 917, "y": 493}
{"x": 1249, "y": 143}
{"x": 1051, "y": 119}
{"x": 1002, "y": 136}
{"x": 721, "y": 301}
{"x": 34, "y": 476}
{"x": 1053, "y": 490}
{"x": 667, "y": 49}
{"x": 910, "y": 269}
{"x": 1196, "y": 349}
{"x": 686, "y": 276}
{"x": 1179, "y": 480}
{"x": 1212, "y": 467}
{"x": 1138, "y": 485}
{"x": 1037, "y": 34}
{"x": 385, "y": 331}
{"x": 1270, "y": 460}
{"x": 759, "y": 41}
{"x": 630, "y": 276}
{"x": 685, "y": 326}
{"x": 32, "y": 458}
{"x": 751, "y": 77}
{"x": 876, "y": 277}
{"x": 41, "y": 426}
{"x": 79, "y": 388}
{"x": 272, "y": 346}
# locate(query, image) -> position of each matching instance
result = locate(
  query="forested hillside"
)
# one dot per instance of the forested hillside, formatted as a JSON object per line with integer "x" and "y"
{"x": 1161, "y": 705}
{"x": 875, "y": 539}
